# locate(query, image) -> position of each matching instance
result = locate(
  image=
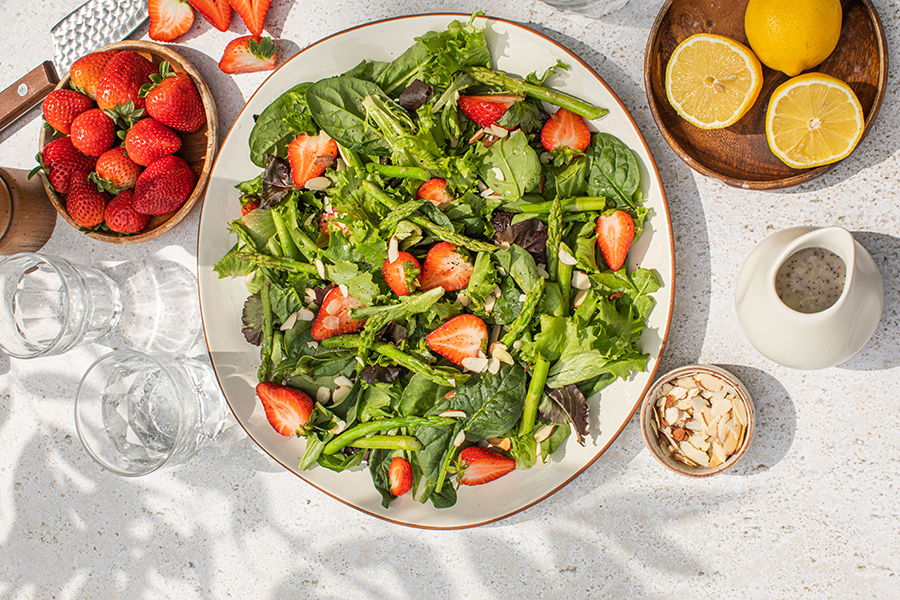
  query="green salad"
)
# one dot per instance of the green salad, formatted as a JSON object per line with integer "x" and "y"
{"x": 435, "y": 256}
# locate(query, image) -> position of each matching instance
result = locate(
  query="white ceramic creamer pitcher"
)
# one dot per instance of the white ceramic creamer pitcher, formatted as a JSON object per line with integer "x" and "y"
{"x": 809, "y": 340}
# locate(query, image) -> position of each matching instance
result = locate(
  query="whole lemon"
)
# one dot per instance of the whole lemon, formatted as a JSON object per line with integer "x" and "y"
{"x": 793, "y": 35}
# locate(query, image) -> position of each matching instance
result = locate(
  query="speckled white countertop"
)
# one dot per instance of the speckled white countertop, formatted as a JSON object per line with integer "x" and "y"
{"x": 811, "y": 512}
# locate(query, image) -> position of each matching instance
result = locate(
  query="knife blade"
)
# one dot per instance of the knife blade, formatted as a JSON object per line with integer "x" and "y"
{"x": 92, "y": 25}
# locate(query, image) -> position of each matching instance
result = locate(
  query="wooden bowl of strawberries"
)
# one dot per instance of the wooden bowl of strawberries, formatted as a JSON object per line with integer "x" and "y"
{"x": 130, "y": 142}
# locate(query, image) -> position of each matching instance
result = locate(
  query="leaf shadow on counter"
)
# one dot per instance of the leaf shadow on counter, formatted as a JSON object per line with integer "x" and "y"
{"x": 881, "y": 352}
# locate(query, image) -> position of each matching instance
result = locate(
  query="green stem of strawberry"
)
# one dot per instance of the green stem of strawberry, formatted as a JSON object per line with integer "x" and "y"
{"x": 280, "y": 263}
{"x": 583, "y": 204}
{"x": 523, "y": 320}
{"x": 533, "y": 397}
{"x": 388, "y": 442}
{"x": 400, "y": 171}
{"x": 268, "y": 327}
{"x": 443, "y": 233}
{"x": 518, "y": 86}
{"x": 353, "y": 434}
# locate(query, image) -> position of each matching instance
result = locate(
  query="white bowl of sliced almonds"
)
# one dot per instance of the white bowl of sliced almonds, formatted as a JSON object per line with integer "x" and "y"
{"x": 697, "y": 420}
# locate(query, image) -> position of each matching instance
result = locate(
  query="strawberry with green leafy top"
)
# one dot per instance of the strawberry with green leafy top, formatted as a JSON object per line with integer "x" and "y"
{"x": 445, "y": 266}
{"x": 477, "y": 465}
{"x": 115, "y": 172}
{"x": 84, "y": 75}
{"x": 93, "y": 132}
{"x": 120, "y": 215}
{"x": 287, "y": 409}
{"x": 402, "y": 275}
{"x": 247, "y": 55}
{"x": 164, "y": 186}
{"x": 615, "y": 232}
{"x": 84, "y": 203}
{"x": 485, "y": 109}
{"x": 169, "y": 19}
{"x": 172, "y": 99}
{"x": 461, "y": 337}
{"x": 122, "y": 79}
{"x": 148, "y": 140}
{"x": 400, "y": 476}
{"x": 59, "y": 159}
{"x": 60, "y": 108}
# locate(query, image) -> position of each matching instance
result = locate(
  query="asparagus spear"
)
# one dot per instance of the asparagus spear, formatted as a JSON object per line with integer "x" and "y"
{"x": 278, "y": 262}
{"x": 354, "y": 433}
{"x": 534, "y": 394}
{"x": 398, "y": 171}
{"x": 388, "y": 442}
{"x": 582, "y": 204}
{"x": 521, "y": 322}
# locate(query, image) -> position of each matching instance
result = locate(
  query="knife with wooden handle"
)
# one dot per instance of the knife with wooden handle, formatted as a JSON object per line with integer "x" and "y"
{"x": 94, "y": 24}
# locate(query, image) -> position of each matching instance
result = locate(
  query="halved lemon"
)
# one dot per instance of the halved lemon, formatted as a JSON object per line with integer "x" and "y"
{"x": 712, "y": 81}
{"x": 813, "y": 120}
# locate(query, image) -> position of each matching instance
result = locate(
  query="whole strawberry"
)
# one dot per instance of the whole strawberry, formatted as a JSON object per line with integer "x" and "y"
{"x": 120, "y": 215}
{"x": 164, "y": 186}
{"x": 93, "y": 132}
{"x": 115, "y": 171}
{"x": 84, "y": 203}
{"x": 61, "y": 106}
{"x": 148, "y": 140}
{"x": 122, "y": 79}
{"x": 59, "y": 159}
{"x": 84, "y": 75}
{"x": 172, "y": 99}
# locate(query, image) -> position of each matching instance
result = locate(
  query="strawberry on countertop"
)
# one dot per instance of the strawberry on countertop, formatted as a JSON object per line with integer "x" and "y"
{"x": 169, "y": 19}
{"x": 310, "y": 155}
{"x": 59, "y": 159}
{"x": 334, "y": 317}
{"x": 402, "y": 275}
{"x": 445, "y": 266}
{"x": 477, "y": 465}
{"x": 122, "y": 79}
{"x": 565, "y": 128}
{"x": 61, "y": 106}
{"x": 400, "y": 475}
{"x": 459, "y": 338}
{"x": 115, "y": 172}
{"x": 164, "y": 186}
{"x": 148, "y": 140}
{"x": 485, "y": 109}
{"x": 120, "y": 215}
{"x": 247, "y": 55}
{"x": 253, "y": 13}
{"x": 217, "y": 12}
{"x": 93, "y": 132}
{"x": 434, "y": 191}
{"x": 172, "y": 99}
{"x": 287, "y": 409}
{"x": 615, "y": 232}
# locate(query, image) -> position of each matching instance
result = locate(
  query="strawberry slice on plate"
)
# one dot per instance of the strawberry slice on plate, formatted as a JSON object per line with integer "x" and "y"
{"x": 434, "y": 191}
{"x": 459, "y": 338}
{"x": 310, "y": 155}
{"x": 402, "y": 275}
{"x": 445, "y": 267}
{"x": 477, "y": 465}
{"x": 400, "y": 475}
{"x": 169, "y": 19}
{"x": 485, "y": 109}
{"x": 334, "y": 317}
{"x": 253, "y": 13}
{"x": 565, "y": 128}
{"x": 217, "y": 12}
{"x": 248, "y": 55}
{"x": 287, "y": 409}
{"x": 615, "y": 232}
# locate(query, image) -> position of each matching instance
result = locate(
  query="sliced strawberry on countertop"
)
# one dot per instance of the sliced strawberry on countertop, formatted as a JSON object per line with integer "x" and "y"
{"x": 402, "y": 275}
{"x": 445, "y": 267}
{"x": 459, "y": 338}
{"x": 115, "y": 172}
{"x": 615, "y": 232}
{"x": 148, "y": 140}
{"x": 84, "y": 75}
{"x": 253, "y": 13}
{"x": 287, "y": 409}
{"x": 477, "y": 465}
{"x": 434, "y": 191}
{"x": 310, "y": 155}
{"x": 565, "y": 128}
{"x": 93, "y": 132}
{"x": 217, "y": 12}
{"x": 334, "y": 317}
{"x": 61, "y": 106}
{"x": 169, "y": 19}
{"x": 172, "y": 99}
{"x": 122, "y": 79}
{"x": 400, "y": 475}
{"x": 247, "y": 55}
{"x": 59, "y": 159}
{"x": 164, "y": 186}
{"x": 84, "y": 203}
{"x": 485, "y": 109}
{"x": 120, "y": 215}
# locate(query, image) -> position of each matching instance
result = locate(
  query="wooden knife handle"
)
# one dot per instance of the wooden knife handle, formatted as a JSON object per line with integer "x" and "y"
{"x": 26, "y": 92}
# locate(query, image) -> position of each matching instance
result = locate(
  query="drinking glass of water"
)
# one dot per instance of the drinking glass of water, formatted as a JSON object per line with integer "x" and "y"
{"x": 136, "y": 413}
{"x": 590, "y": 8}
{"x": 50, "y": 305}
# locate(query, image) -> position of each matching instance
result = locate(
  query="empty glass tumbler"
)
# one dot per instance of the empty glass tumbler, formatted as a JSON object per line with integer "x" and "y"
{"x": 136, "y": 413}
{"x": 50, "y": 305}
{"x": 590, "y": 8}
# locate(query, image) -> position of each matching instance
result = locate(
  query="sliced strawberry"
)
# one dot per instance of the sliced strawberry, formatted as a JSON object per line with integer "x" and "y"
{"x": 434, "y": 191}
{"x": 487, "y": 108}
{"x": 287, "y": 409}
{"x": 565, "y": 128}
{"x": 169, "y": 19}
{"x": 217, "y": 12}
{"x": 402, "y": 275}
{"x": 445, "y": 267}
{"x": 615, "y": 232}
{"x": 334, "y": 315}
{"x": 253, "y": 13}
{"x": 310, "y": 155}
{"x": 247, "y": 55}
{"x": 459, "y": 338}
{"x": 400, "y": 476}
{"x": 477, "y": 465}
{"x": 249, "y": 204}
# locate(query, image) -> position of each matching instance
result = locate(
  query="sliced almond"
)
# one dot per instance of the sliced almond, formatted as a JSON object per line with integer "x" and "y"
{"x": 579, "y": 298}
{"x": 323, "y": 395}
{"x": 331, "y": 322}
{"x": 320, "y": 268}
{"x": 340, "y": 393}
{"x": 692, "y": 453}
{"x": 393, "y": 249}
{"x": 580, "y": 281}
{"x": 493, "y": 365}
{"x": 566, "y": 258}
{"x": 460, "y": 438}
{"x": 289, "y": 322}
{"x": 739, "y": 411}
{"x": 729, "y": 444}
{"x": 709, "y": 382}
{"x": 699, "y": 442}
{"x": 504, "y": 444}
{"x": 687, "y": 383}
{"x": 543, "y": 432}
{"x": 718, "y": 452}
{"x": 474, "y": 363}
{"x": 671, "y": 415}
{"x": 721, "y": 406}
{"x": 456, "y": 414}
{"x": 318, "y": 184}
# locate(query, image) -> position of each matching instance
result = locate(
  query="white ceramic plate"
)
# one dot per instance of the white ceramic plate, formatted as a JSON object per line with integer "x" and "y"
{"x": 518, "y": 50}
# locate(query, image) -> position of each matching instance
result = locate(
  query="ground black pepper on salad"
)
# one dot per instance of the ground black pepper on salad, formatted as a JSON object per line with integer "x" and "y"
{"x": 435, "y": 253}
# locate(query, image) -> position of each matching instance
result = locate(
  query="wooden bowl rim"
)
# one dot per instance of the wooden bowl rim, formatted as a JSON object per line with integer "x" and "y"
{"x": 179, "y": 63}
{"x": 759, "y": 184}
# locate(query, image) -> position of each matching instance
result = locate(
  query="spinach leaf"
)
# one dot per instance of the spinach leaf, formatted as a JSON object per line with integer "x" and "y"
{"x": 571, "y": 178}
{"x": 280, "y": 123}
{"x": 614, "y": 171}
{"x": 336, "y": 105}
{"x": 403, "y": 70}
{"x": 420, "y": 396}
{"x": 508, "y": 305}
{"x": 493, "y": 403}
{"x": 510, "y": 167}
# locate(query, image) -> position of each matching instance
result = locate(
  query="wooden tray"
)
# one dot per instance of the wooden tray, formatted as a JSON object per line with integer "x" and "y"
{"x": 198, "y": 149}
{"x": 739, "y": 155}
